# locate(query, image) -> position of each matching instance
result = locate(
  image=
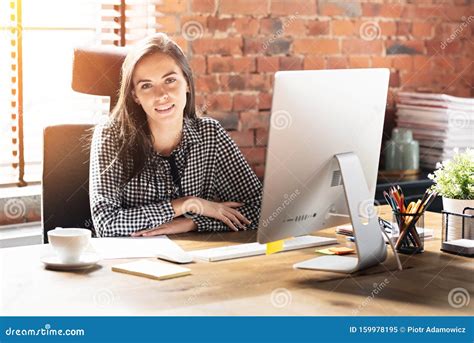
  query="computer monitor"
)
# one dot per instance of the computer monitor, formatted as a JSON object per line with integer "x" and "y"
{"x": 322, "y": 160}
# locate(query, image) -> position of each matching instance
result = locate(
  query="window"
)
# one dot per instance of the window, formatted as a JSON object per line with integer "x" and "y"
{"x": 50, "y": 31}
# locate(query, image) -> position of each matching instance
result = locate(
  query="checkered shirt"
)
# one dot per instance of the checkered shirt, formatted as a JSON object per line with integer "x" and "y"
{"x": 210, "y": 166}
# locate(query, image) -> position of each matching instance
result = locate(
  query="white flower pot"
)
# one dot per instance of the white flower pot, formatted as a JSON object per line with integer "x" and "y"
{"x": 455, "y": 222}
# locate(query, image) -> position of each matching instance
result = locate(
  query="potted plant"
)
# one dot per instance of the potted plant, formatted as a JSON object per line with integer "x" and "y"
{"x": 454, "y": 181}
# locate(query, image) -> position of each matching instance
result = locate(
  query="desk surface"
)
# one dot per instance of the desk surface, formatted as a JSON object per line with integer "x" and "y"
{"x": 261, "y": 285}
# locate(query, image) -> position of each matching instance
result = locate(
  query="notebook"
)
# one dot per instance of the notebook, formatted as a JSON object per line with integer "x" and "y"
{"x": 151, "y": 269}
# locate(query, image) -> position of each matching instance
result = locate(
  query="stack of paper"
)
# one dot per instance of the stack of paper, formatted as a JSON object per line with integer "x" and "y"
{"x": 134, "y": 247}
{"x": 439, "y": 122}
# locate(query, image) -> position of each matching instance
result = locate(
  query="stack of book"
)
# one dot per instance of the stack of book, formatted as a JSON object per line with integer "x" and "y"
{"x": 439, "y": 122}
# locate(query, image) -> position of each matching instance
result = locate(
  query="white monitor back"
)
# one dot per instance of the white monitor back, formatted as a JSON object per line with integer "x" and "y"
{"x": 316, "y": 115}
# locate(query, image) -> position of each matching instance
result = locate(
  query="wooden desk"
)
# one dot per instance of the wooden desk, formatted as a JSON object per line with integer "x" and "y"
{"x": 242, "y": 286}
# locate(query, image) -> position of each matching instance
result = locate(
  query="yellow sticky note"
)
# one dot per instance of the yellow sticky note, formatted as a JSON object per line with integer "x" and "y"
{"x": 326, "y": 251}
{"x": 274, "y": 247}
{"x": 341, "y": 250}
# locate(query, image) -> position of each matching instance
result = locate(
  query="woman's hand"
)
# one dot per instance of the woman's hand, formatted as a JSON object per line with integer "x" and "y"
{"x": 177, "y": 225}
{"x": 223, "y": 211}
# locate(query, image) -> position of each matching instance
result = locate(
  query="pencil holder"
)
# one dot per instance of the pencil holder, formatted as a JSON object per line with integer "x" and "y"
{"x": 409, "y": 227}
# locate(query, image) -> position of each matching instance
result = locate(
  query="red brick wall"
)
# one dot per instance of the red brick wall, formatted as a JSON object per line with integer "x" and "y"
{"x": 235, "y": 46}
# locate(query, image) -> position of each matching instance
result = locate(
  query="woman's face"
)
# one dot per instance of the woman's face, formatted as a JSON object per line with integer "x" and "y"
{"x": 160, "y": 87}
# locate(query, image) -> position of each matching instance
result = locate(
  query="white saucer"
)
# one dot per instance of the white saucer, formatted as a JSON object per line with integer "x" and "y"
{"x": 88, "y": 259}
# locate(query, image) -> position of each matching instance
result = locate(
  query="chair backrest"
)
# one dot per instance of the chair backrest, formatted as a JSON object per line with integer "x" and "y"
{"x": 65, "y": 201}
{"x": 96, "y": 70}
{"x": 65, "y": 181}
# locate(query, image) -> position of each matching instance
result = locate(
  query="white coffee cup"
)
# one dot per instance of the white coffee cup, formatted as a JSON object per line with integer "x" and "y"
{"x": 69, "y": 243}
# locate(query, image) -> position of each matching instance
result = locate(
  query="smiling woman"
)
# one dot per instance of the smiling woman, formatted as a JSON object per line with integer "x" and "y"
{"x": 160, "y": 88}
{"x": 156, "y": 167}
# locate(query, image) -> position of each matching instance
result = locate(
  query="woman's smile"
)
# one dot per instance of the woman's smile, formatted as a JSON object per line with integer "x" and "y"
{"x": 164, "y": 109}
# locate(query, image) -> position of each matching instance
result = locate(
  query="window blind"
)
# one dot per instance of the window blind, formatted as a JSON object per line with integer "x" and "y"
{"x": 37, "y": 39}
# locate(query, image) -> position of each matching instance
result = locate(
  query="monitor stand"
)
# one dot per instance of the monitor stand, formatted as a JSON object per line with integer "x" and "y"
{"x": 369, "y": 241}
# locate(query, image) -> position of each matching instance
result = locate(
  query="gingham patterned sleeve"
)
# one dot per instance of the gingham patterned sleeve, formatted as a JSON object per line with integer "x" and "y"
{"x": 110, "y": 218}
{"x": 234, "y": 180}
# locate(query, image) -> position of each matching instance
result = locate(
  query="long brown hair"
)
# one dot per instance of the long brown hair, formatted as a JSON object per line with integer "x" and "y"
{"x": 135, "y": 138}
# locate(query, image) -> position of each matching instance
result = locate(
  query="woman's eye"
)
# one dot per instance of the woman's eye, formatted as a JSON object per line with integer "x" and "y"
{"x": 170, "y": 80}
{"x": 145, "y": 86}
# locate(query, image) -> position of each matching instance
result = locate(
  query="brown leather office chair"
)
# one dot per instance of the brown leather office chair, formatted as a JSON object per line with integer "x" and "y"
{"x": 65, "y": 179}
